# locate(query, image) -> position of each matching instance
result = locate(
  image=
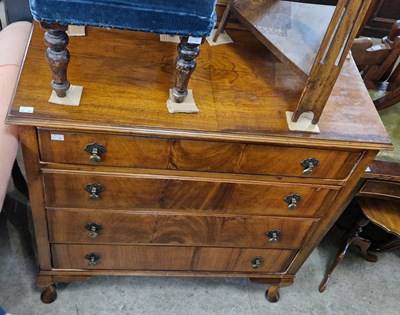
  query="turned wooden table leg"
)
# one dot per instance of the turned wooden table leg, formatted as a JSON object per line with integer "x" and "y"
{"x": 185, "y": 65}
{"x": 352, "y": 238}
{"x": 57, "y": 56}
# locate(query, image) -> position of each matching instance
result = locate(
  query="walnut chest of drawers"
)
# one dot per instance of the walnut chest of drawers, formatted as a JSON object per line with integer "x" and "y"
{"x": 119, "y": 186}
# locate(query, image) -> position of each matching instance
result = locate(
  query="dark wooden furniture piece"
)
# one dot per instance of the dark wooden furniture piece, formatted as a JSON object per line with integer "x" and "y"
{"x": 379, "y": 193}
{"x": 120, "y": 187}
{"x": 377, "y": 65}
{"x": 17, "y": 10}
{"x": 379, "y": 199}
{"x": 312, "y": 39}
{"x": 380, "y": 17}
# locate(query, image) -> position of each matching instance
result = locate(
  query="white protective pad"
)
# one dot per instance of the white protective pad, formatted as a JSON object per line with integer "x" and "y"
{"x": 187, "y": 106}
{"x": 73, "y": 97}
{"x": 303, "y": 124}
{"x": 223, "y": 38}
{"x": 76, "y": 30}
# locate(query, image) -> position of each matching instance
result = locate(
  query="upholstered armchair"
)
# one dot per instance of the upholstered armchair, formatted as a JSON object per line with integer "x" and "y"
{"x": 191, "y": 20}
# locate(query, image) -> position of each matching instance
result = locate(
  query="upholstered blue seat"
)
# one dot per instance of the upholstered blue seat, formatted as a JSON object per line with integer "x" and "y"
{"x": 190, "y": 19}
{"x": 182, "y": 17}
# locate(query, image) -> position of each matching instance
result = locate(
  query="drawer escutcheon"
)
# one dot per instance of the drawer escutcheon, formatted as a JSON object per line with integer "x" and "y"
{"x": 309, "y": 165}
{"x": 273, "y": 235}
{"x": 292, "y": 200}
{"x": 94, "y": 189}
{"x": 257, "y": 261}
{"x": 93, "y": 228}
{"x": 93, "y": 259}
{"x": 95, "y": 150}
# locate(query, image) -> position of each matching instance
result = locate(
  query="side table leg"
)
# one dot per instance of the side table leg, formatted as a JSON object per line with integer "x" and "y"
{"x": 352, "y": 237}
{"x": 364, "y": 245}
{"x": 57, "y": 56}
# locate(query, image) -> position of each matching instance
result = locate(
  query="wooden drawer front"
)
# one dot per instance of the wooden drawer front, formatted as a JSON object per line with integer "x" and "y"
{"x": 69, "y": 226}
{"x": 209, "y": 156}
{"x": 120, "y": 150}
{"x": 213, "y": 156}
{"x": 170, "y": 258}
{"x": 257, "y": 231}
{"x": 237, "y": 259}
{"x": 123, "y": 192}
{"x": 275, "y": 160}
{"x": 141, "y": 152}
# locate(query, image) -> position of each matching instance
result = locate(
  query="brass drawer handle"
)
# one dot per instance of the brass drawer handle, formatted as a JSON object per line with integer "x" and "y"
{"x": 273, "y": 235}
{"x": 257, "y": 261}
{"x": 93, "y": 259}
{"x": 93, "y": 228}
{"x": 292, "y": 200}
{"x": 95, "y": 150}
{"x": 308, "y": 165}
{"x": 94, "y": 189}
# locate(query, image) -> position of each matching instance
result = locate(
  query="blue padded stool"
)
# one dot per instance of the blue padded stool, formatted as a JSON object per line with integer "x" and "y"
{"x": 191, "y": 20}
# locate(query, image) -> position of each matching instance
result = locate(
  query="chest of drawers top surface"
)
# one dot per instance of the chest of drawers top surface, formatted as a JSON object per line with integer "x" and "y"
{"x": 242, "y": 92}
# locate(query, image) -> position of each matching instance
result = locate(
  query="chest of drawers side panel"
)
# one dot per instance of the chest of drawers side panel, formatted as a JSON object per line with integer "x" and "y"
{"x": 30, "y": 150}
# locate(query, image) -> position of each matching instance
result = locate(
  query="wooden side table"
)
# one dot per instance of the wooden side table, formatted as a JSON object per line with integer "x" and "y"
{"x": 379, "y": 199}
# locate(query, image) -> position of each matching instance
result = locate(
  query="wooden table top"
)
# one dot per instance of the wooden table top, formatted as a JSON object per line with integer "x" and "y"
{"x": 384, "y": 213}
{"x": 241, "y": 89}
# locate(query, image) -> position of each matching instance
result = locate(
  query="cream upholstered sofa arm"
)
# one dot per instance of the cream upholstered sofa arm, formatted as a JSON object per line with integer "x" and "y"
{"x": 13, "y": 40}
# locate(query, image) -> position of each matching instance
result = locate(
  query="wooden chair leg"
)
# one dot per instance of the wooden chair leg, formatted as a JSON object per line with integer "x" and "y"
{"x": 352, "y": 238}
{"x": 185, "y": 65}
{"x": 224, "y": 20}
{"x": 57, "y": 56}
{"x": 330, "y": 57}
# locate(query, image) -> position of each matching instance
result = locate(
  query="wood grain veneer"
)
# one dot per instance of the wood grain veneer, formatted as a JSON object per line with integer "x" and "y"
{"x": 184, "y": 195}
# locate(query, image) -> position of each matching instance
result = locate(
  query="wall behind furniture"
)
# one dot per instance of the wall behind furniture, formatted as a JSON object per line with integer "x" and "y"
{"x": 17, "y": 10}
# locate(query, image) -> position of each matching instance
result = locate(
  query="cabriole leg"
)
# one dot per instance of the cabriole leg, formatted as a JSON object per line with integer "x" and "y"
{"x": 49, "y": 294}
{"x": 352, "y": 238}
{"x": 272, "y": 294}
